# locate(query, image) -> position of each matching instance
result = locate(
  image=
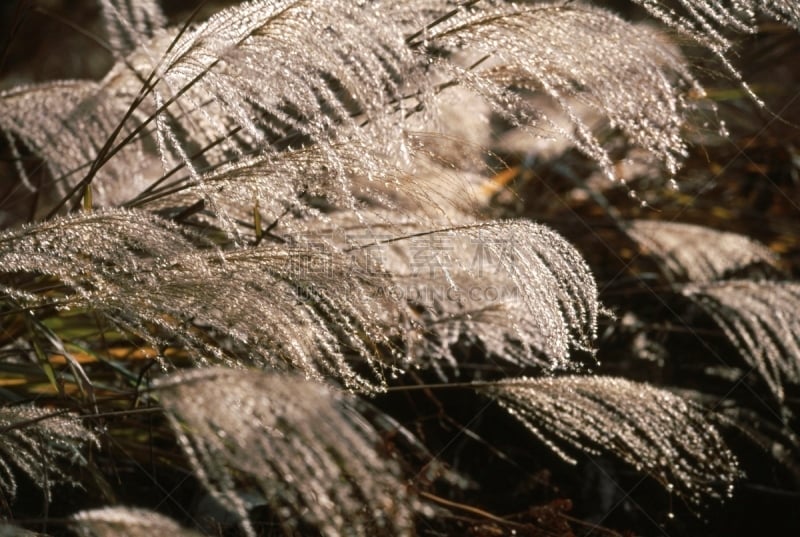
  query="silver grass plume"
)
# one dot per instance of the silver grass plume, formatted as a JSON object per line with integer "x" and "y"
{"x": 687, "y": 252}
{"x": 249, "y": 78}
{"x": 310, "y": 309}
{"x": 65, "y": 124}
{"x": 627, "y": 73}
{"x": 34, "y": 116}
{"x": 708, "y": 23}
{"x": 657, "y": 432}
{"x": 288, "y": 187}
{"x": 253, "y": 66}
{"x": 761, "y": 319}
{"x": 86, "y": 251}
{"x": 126, "y": 522}
{"x": 516, "y": 288}
{"x": 302, "y": 445}
{"x": 317, "y": 306}
{"x": 40, "y": 445}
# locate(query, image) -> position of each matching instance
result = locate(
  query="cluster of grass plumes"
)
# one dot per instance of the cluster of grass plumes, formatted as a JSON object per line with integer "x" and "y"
{"x": 243, "y": 264}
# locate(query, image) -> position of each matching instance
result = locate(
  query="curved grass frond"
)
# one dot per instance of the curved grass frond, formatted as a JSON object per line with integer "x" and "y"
{"x": 687, "y": 252}
{"x": 706, "y": 21}
{"x": 126, "y": 522}
{"x": 305, "y": 307}
{"x": 257, "y": 65}
{"x": 65, "y": 124}
{"x": 626, "y": 73}
{"x": 517, "y": 289}
{"x": 248, "y": 78}
{"x": 39, "y": 444}
{"x": 130, "y": 234}
{"x": 761, "y": 320}
{"x": 79, "y": 249}
{"x": 304, "y": 447}
{"x": 294, "y": 185}
{"x": 655, "y": 431}
{"x": 37, "y": 115}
